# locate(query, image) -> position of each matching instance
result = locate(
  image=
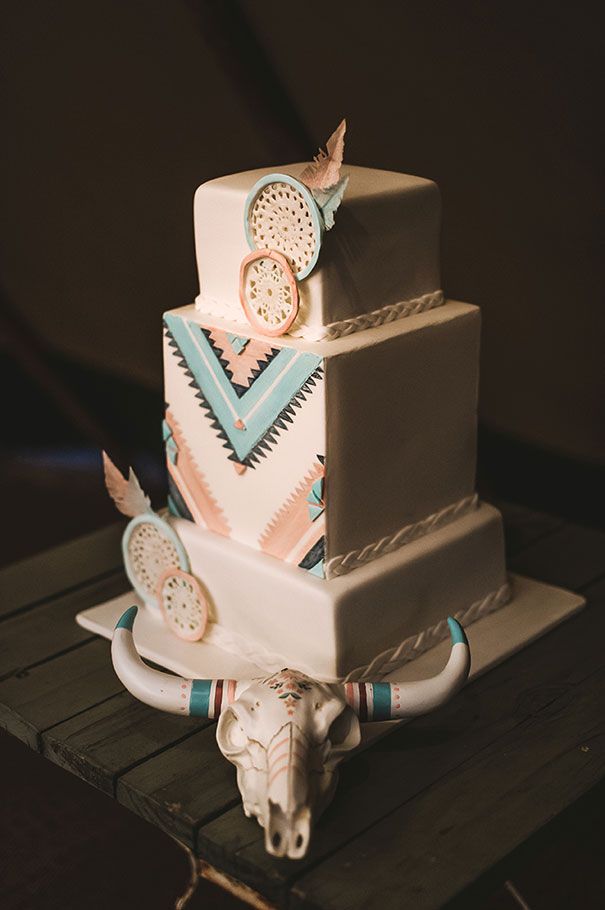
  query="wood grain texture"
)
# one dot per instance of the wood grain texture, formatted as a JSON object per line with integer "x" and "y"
{"x": 415, "y": 756}
{"x": 63, "y": 568}
{"x": 438, "y": 843}
{"x": 183, "y": 787}
{"x": 60, "y": 694}
{"x": 107, "y": 740}
{"x": 523, "y": 527}
{"x": 51, "y": 692}
{"x": 50, "y": 629}
{"x": 571, "y": 557}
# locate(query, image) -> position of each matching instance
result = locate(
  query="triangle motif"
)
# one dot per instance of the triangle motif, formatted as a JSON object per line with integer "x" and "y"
{"x": 250, "y": 414}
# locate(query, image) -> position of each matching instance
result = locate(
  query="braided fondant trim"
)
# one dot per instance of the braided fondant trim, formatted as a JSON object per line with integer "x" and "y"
{"x": 412, "y": 647}
{"x": 383, "y": 663}
{"x": 340, "y": 565}
{"x": 389, "y": 313}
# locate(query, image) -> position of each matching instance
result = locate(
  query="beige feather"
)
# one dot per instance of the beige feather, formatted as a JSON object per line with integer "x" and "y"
{"x": 127, "y": 494}
{"x": 325, "y": 170}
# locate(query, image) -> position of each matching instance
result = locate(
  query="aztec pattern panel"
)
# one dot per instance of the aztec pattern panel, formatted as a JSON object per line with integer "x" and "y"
{"x": 244, "y": 433}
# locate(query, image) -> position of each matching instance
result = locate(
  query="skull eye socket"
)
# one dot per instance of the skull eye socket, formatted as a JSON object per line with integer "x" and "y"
{"x": 276, "y": 839}
{"x": 299, "y": 841}
{"x": 344, "y": 732}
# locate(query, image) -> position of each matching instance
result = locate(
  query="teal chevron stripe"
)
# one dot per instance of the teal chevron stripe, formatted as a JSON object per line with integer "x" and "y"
{"x": 381, "y": 699}
{"x": 262, "y": 404}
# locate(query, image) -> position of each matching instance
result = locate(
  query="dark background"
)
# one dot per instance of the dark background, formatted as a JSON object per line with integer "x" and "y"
{"x": 114, "y": 113}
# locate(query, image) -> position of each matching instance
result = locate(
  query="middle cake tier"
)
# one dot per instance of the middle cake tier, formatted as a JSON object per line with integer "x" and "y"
{"x": 328, "y": 454}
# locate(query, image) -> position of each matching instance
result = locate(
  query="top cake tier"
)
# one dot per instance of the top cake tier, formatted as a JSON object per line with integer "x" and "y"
{"x": 380, "y": 262}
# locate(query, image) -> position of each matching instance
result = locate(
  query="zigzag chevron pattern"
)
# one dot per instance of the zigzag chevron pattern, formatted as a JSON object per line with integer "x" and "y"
{"x": 190, "y": 481}
{"x": 250, "y": 423}
{"x": 176, "y": 504}
{"x": 242, "y": 362}
{"x": 295, "y": 534}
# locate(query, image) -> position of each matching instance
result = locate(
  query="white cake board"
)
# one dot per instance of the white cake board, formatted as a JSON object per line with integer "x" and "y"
{"x": 535, "y": 609}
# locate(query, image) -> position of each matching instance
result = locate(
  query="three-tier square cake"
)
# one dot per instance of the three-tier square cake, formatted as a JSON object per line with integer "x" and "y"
{"x": 320, "y": 434}
{"x": 320, "y": 428}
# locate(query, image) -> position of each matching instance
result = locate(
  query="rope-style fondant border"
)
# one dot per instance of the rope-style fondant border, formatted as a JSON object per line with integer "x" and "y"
{"x": 383, "y": 663}
{"x": 389, "y": 313}
{"x": 412, "y": 647}
{"x": 340, "y": 565}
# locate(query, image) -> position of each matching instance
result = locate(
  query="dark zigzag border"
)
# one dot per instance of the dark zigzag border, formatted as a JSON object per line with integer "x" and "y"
{"x": 261, "y": 365}
{"x": 269, "y": 438}
{"x": 315, "y": 554}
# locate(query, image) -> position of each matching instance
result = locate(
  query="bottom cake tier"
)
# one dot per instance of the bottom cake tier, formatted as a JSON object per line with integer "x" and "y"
{"x": 365, "y": 623}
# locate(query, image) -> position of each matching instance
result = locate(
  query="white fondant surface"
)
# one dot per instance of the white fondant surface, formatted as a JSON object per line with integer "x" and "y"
{"x": 328, "y": 628}
{"x": 394, "y": 414}
{"x": 401, "y": 426}
{"x": 383, "y": 249}
{"x": 249, "y": 500}
{"x": 535, "y": 609}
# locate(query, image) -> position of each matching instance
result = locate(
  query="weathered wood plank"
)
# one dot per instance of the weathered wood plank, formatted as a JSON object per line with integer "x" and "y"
{"x": 111, "y": 738}
{"x": 55, "y": 690}
{"x": 523, "y": 527}
{"x": 61, "y": 569}
{"x": 372, "y": 783}
{"x": 189, "y": 790}
{"x": 430, "y": 848}
{"x": 571, "y": 557}
{"x": 182, "y": 787}
{"x": 559, "y": 867}
{"x": 50, "y": 629}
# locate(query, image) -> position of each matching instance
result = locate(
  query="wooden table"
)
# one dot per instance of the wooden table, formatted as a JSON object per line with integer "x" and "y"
{"x": 422, "y": 817}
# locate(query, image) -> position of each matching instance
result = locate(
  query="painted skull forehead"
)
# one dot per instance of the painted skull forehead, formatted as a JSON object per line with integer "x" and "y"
{"x": 290, "y": 697}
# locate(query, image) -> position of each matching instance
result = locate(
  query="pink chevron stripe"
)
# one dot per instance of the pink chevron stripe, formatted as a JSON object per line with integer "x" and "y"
{"x": 241, "y": 365}
{"x": 291, "y": 532}
{"x": 193, "y": 486}
{"x": 275, "y": 746}
{"x": 284, "y": 768}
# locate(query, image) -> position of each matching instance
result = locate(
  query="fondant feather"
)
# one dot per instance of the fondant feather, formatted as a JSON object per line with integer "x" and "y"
{"x": 128, "y": 496}
{"x": 325, "y": 170}
{"x": 329, "y": 200}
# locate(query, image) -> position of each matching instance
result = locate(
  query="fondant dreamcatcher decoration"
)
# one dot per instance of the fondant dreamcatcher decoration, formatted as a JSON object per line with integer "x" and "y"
{"x": 269, "y": 291}
{"x": 155, "y": 560}
{"x": 183, "y": 604}
{"x": 285, "y": 219}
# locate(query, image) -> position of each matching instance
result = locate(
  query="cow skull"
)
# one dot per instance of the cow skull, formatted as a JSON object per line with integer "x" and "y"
{"x": 286, "y": 733}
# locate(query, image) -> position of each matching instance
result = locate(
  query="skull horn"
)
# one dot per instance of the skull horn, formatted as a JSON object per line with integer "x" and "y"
{"x": 385, "y": 701}
{"x": 196, "y": 697}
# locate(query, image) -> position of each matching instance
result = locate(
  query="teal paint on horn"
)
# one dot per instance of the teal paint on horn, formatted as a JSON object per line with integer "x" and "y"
{"x": 199, "y": 700}
{"x": 457, "y": 632}
{"x": 381, "y": 697}
{"x": 126, "y": 620}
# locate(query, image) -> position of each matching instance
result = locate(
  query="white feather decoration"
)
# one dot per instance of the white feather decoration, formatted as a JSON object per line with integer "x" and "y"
{"x": 128, "y": 496}
{"x": 325, "y": 170}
